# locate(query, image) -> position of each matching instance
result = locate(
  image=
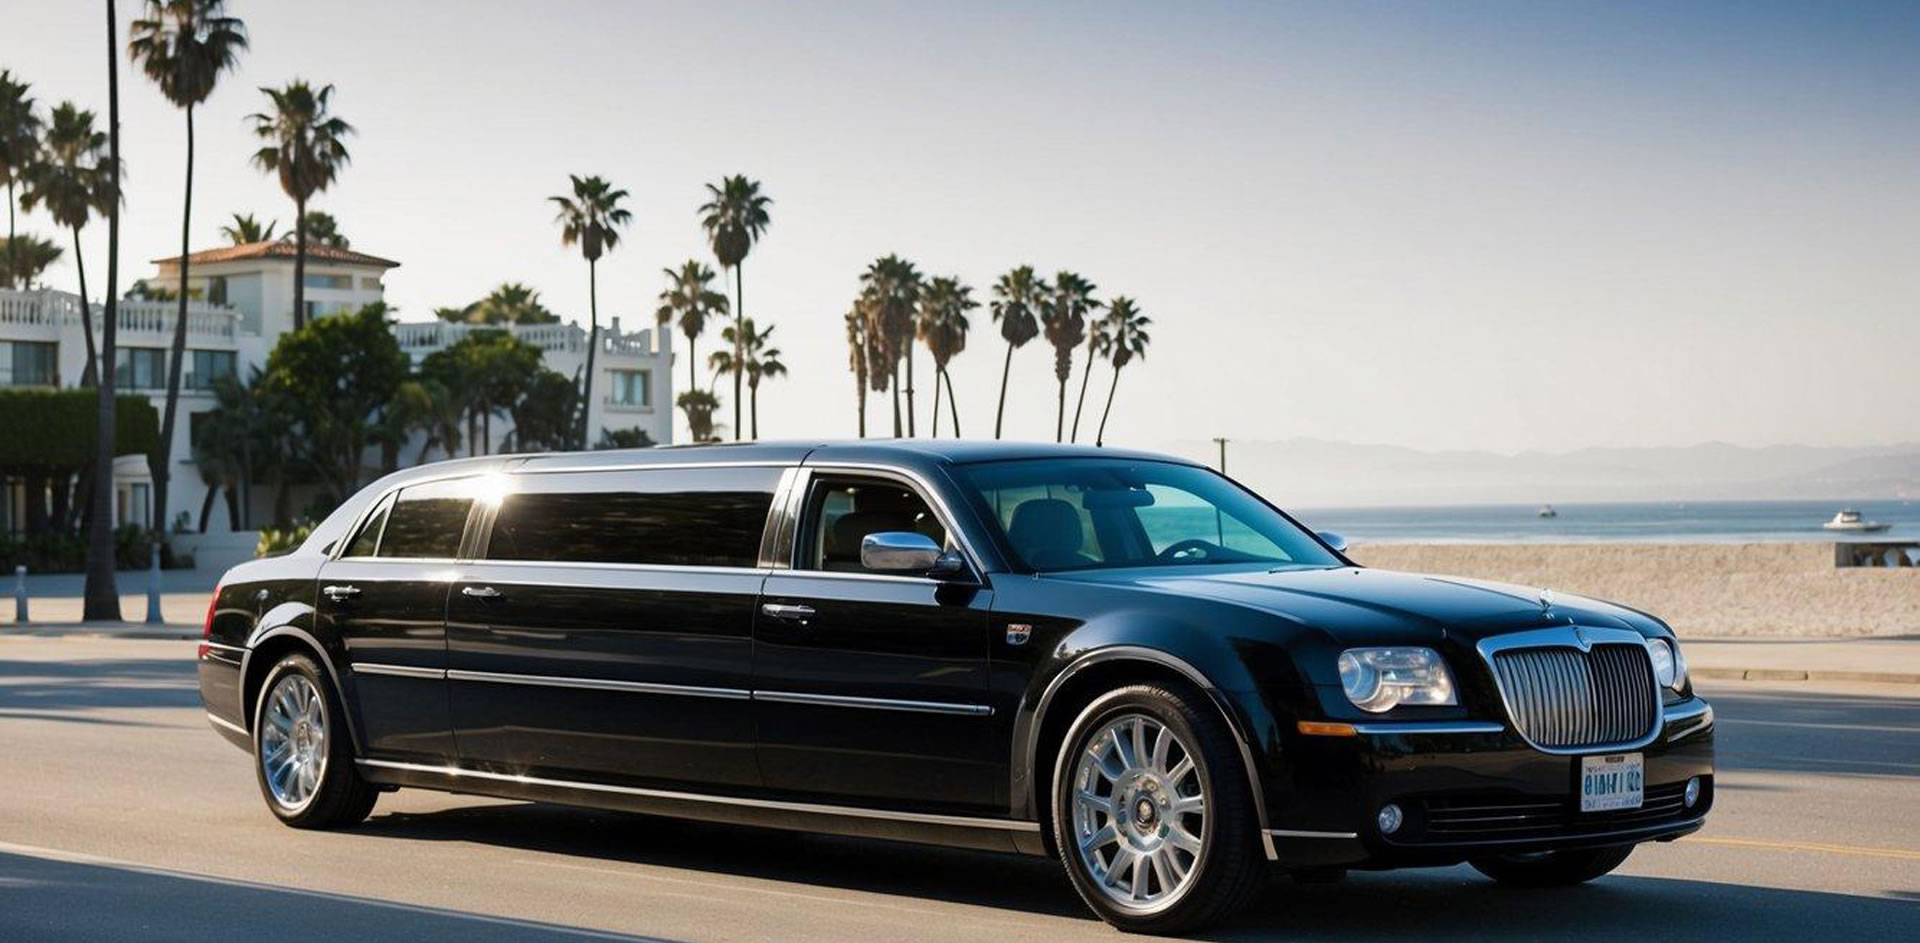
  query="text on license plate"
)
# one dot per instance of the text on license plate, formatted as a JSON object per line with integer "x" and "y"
{"x": 1612, "y": 782}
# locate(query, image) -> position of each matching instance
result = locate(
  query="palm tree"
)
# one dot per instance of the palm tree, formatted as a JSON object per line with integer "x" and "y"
{"x": 19, "y": 151}
{"x": 689, "y": 297}
{"x": 1099, "y": 339}
{"x": 306, "y": 148}
{"x": 891, "y": 289}
{"x": 857, "y": 361}
{"x": 699, "y": 405}
{"x": 510, "y": 303}
{"x": 1017, "y": 297}
{"x": 183, "y": 45}
{"x": 246, "y": 230}
{"x": 74, "y": 183}
{"x": 735, "y": 215}
{"x": 322, "y": 230}
{"x": 943, "y": 328}
{"x": 23, "y": 258}
{"x": 100, "y": 598}
{"x": 1064, "y": 316}
{"x": 591, "y": 218}
{"x": 759, "y": 360}
{"x": 1127, "y": 328}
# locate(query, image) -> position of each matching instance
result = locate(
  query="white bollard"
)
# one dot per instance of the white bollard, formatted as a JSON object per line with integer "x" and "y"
{"x": 20, "y": 594}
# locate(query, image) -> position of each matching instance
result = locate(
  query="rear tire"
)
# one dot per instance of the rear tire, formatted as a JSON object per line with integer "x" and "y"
{"x": 1553, "y": 868}
{"x": 1153, "y": 816}
{"x": 303, "y": 756}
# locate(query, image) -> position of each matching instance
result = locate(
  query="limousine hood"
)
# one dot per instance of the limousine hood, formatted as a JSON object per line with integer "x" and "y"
{"x": 1360, "y": 605}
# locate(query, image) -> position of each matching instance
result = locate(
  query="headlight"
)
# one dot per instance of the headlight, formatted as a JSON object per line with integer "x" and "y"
{"x": 1668, "y": 667}
{"x": 1380, "y": 679}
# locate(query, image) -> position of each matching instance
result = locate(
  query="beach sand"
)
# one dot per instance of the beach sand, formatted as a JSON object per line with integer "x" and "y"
{"x": 1702, "y": 590}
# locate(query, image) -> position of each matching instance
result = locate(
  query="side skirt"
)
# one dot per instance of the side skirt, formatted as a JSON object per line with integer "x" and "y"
{"x": 925, "y": 828}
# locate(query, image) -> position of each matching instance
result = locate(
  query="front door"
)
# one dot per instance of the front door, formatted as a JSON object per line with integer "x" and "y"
{"x": 385, "y": 599}
{"x": 605, "y": 630}
{"x": 872, "y": 686}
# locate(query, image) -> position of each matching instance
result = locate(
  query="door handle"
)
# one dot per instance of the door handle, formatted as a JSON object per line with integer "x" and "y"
{"x": 480, "y": 592}
{"x": 788, "y": 613}
{"x": 337, "y": 593}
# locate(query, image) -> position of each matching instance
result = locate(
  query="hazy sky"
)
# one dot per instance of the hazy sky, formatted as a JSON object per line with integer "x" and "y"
{"x": 1443, "y": 225}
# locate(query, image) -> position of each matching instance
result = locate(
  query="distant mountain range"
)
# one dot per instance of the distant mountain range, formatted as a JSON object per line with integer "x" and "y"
{"x": 1320, "y": 473}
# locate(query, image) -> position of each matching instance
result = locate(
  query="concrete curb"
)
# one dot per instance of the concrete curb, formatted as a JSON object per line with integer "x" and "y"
{"x": 1795, "y": 674}
{"x": 137, "y": 631}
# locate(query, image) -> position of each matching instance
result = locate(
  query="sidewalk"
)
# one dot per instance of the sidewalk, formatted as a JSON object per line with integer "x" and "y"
{"x": 1881, "y": 658}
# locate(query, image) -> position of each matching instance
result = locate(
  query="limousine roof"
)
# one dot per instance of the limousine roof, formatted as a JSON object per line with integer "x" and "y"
{"x": 907, "y": 452}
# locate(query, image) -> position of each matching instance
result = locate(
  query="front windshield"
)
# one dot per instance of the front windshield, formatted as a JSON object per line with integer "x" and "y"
{"x": 1094, "y": 513}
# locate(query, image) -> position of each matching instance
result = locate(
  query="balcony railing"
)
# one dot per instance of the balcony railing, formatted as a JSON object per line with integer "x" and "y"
{"x": 424, "y": 337}
{"x": 55, "y": 310}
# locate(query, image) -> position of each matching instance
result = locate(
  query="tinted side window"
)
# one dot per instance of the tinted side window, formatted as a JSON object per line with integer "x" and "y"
{"x": 672, "y": 517}
{"x": 842, "y": 512}
{"x": 369, "y": 537}
{"x": 427, "y": 520}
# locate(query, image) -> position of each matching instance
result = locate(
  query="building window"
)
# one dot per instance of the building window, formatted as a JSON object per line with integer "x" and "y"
{"x": 31, "y": 363}
{"x": 139, "y": 368}
{"x": 217, "y": 290}
{"x": 336, "y": 282}
{"x": 370, "y": 284}
{"x": 631, "y": 388}
{"x": 209, "y": 366}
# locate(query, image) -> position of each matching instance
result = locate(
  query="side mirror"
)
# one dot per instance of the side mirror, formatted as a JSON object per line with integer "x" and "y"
{"x": 899, "y": 551}
{"x": 1331, "y": 539}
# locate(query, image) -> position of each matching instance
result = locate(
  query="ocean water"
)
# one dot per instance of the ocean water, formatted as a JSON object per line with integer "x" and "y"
{"x": 1692, "y": 521}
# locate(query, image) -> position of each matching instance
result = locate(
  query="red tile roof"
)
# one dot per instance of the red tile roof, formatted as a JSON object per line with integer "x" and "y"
{"x": 275, "y": 249}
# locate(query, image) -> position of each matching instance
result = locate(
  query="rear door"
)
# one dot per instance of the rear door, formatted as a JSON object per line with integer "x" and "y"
{"x": 385, "y": 598}
{"x": 873, "y": 686}
{"x": 606, "y": 630}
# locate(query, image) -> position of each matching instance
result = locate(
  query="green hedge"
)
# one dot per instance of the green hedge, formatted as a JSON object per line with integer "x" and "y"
{"x": 55, "y": 429}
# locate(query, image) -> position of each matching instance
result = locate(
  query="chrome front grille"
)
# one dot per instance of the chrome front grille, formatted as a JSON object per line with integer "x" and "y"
{"x": 1563, "y": 697}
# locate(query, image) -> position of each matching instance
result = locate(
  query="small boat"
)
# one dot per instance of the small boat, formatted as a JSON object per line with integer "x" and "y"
{"x": 1546, "y": 510}
{"x": 1851, "y": 521}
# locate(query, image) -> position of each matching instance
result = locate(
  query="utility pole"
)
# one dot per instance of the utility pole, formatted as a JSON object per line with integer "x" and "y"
{"x": 1223, "y": 453}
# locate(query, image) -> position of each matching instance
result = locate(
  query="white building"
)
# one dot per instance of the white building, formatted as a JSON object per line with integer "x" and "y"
{"x": 242, "y": 301}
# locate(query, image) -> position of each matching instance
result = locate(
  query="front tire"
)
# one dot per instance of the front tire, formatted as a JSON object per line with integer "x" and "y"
{"x": 1152, "y": 812}
{"x": 303, "y": 758}
{"x": 1552, "y": 868}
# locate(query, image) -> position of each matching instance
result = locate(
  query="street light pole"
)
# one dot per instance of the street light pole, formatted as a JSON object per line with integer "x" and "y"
{"x": 1223, "y": 453}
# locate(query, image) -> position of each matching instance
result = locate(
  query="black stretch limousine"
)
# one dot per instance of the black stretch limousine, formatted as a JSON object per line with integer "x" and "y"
{"x": 1122, "y": 659}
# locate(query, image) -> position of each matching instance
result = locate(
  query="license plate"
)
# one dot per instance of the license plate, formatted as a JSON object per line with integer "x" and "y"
{"x": 1612, "y": 782}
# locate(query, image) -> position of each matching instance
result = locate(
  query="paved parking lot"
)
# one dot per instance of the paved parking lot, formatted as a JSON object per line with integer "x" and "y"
{"x": 123, "y": 816}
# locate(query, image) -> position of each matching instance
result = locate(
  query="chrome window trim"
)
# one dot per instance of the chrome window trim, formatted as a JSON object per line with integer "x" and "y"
{"x": 527, "y": 469}
{"x": 597, "y": 684}
{"x": 877, "y": 703}
{"x": 1582, "y": 638}
{"x": 964, "y": 821}
{"x": 469, "y": 565}
{"x": 397, "y": 671}
{"x": 1413, "y": 727}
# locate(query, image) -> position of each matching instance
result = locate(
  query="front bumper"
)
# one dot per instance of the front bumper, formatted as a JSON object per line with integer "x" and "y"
{"x": 1469, "y": 789}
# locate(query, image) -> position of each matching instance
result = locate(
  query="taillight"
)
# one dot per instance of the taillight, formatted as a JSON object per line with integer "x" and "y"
{"x": 206, "y": 629}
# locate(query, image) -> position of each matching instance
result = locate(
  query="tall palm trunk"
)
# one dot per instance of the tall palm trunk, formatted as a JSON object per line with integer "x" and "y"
{"x": 860, "y": 400}
{"x": 1100, "y": 438}
{"x": 160, "y": 463}
{"x": 910, "y": 432}
{"x": 1060, "y": 415}
{"x": 1000, "y": 414}
{"x": 739, "y": 339}
{"x": 936, "y": 402}
{"x": 13, "y": 245}
{"x": 299, "y": 264}
{"x": 894, "y": 385}
{"x": 593, "y": 346}
{"x": 753, "y": 393}
{"x": 102, "y": 598}
{"x": 953, "y": 405}
{"x": 693, "y": 360}
{"x": 1074, "y": 435}
{"x": 90, "y": 373}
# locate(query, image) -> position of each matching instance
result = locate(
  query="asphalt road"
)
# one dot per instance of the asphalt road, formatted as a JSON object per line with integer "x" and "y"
{"x": 123, "y": 816}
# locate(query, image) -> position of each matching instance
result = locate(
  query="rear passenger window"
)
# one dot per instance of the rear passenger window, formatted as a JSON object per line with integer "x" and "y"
{"x": 668, "y": 517}
{"x": 368, "y": 539}
{"x": 427, "y": 520}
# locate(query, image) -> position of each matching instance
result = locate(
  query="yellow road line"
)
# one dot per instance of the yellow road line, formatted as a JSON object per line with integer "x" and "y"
{"x": 1901, "y": 854}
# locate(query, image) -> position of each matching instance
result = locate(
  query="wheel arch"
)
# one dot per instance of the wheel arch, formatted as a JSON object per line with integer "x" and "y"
{"x": 267, "y": 649}
{"x": 1088, "y": 676}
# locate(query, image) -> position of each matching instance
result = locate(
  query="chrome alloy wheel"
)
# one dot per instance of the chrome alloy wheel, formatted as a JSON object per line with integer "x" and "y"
{"x": 1139, "y": 812}
{"x": 293, "y": 741}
